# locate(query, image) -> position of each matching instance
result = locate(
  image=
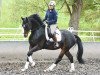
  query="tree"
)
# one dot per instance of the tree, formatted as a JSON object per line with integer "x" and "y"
{"x": 74, "y": 8}
{"x": 90, "y": 12}
{"x": 75, "y": 16}
{"x": 21, "y": 8}
{"x": 74, "y": 13}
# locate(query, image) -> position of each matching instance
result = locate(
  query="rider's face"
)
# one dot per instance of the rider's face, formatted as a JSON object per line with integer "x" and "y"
{"x": 51, "y": 6}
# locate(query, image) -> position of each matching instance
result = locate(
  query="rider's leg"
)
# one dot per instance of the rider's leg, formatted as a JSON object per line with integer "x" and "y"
{"x": 55, "y": 40}
{"x": 53, "y": 29}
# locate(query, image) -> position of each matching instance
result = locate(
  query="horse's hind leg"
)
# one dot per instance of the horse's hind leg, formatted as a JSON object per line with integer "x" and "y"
{"x": 56, "y": 62}
{"x": 70, "y": 57}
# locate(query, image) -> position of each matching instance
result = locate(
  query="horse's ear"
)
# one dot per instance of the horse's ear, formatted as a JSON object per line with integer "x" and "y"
{"x": 22, "y": 18}
{"x": 26, "y": 19}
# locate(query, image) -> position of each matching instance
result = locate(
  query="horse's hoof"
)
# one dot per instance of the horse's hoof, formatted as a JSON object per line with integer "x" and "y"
{"x": 23, "y": 69}
{"x": 33, "y": 64}
{"x": 47, "y": 70}
{"x": 72, "y": 70}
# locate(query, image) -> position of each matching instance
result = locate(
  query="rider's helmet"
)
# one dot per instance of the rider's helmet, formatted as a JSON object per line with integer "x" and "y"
{"x": 52, "y": 3}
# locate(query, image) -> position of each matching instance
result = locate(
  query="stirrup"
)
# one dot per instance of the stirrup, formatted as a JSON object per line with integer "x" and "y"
{"x": 48, "y": 42}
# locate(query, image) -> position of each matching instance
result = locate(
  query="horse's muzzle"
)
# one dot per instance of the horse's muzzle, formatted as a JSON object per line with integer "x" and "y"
{"x": 26, "y": 33}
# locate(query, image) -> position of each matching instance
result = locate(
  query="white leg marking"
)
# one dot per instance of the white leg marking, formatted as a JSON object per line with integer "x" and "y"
{"x": 50, "y": 68}
{"x": 31, "y": 61}
{"x": 25, "y": 67}
{"x": 72, "y": 67}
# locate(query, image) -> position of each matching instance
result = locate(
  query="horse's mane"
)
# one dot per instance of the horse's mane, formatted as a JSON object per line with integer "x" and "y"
{"x": 37, "y": 18}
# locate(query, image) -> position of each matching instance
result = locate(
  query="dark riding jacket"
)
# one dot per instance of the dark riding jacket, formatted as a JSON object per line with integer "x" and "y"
{"x": 51, "y": 17}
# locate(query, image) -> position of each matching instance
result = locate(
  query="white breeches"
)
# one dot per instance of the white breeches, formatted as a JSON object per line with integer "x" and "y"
{"x": 53, "y": 28}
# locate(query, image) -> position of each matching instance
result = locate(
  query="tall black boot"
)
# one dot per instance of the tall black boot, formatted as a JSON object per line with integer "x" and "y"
{"x": 55, "y": 40}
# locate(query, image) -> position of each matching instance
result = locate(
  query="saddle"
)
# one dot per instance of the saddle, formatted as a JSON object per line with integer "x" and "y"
{"x": 57, "y": 33}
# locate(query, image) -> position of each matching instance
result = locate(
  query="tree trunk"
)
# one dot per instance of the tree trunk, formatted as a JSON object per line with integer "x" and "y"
{"x": 75, "y": 16}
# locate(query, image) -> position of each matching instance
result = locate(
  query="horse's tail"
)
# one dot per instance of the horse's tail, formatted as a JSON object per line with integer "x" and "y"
{"x": 80, "y": 50}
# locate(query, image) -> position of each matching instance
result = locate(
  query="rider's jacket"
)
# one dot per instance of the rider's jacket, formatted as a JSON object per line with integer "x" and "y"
{"x": 51, "y": 17}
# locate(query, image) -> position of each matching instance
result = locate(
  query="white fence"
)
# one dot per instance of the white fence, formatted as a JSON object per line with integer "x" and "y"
{"x": 11, "y": 34}
{"x": 15, "y": 34}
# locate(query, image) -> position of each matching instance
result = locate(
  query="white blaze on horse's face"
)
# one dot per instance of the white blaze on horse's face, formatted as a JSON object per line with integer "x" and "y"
{"x": 25, "y": 26}
{"x": 26, "y": 30}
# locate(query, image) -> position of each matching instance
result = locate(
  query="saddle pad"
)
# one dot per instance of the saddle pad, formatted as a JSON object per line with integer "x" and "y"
{"x": 58, "y": 35}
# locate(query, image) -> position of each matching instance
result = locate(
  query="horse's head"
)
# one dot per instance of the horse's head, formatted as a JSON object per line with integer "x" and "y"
{"x": 31, "y": 23}
{"x": 26, "y": 26}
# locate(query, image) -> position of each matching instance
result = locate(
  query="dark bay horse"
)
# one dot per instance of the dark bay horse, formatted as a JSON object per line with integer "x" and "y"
{"x": 37, "y": 41}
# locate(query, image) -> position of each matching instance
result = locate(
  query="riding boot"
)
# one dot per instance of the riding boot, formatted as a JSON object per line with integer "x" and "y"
{"x": 55, "y": 40}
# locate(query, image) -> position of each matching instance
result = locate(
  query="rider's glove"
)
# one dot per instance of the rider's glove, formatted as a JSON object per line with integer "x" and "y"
{"x": 45, "y": 23}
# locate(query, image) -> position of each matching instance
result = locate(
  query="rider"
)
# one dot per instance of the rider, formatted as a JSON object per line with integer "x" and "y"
{"x": 51, "y": 20}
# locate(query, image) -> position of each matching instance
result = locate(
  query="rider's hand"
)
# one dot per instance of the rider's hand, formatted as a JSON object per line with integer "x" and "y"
{"x": 45, "y": 22}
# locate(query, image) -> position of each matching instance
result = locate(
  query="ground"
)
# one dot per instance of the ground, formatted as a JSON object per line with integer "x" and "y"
{"x": 13, "y": 57}
{"x": 91, "y": 67}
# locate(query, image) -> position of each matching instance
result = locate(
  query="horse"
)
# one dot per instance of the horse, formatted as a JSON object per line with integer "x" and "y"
{"x": 37, "y": 41}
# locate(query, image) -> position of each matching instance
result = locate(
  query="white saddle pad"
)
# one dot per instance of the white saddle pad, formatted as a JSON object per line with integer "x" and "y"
{"x": 58, "y": 35}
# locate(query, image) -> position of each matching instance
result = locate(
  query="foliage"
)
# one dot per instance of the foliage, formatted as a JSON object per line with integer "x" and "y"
{"x": 91, "y": 14}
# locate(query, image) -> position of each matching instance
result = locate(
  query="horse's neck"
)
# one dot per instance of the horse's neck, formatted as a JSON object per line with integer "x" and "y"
{"x": 37, "y": 36}
{"x": 41, "y": 29}
{"x": 37, "y": 33}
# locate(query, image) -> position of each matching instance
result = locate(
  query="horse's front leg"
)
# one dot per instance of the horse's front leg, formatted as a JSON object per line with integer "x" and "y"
{"x": 29, "y": 58}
